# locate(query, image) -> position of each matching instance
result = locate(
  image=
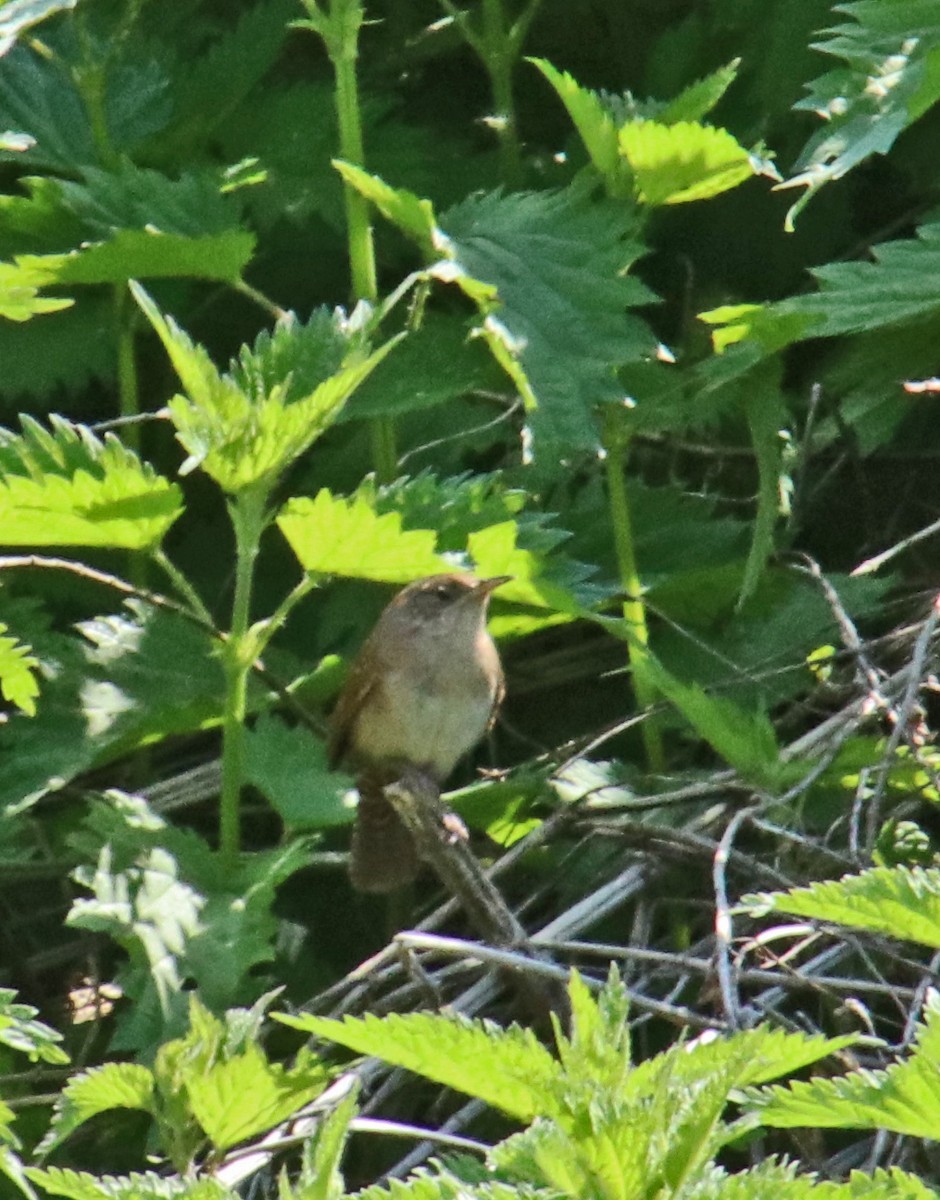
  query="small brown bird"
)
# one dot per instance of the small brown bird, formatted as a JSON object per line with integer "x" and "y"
{"x": 421, "y": 693}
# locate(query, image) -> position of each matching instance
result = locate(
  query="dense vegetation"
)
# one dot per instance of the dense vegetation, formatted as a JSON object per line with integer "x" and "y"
{"x": 633, "y": 300}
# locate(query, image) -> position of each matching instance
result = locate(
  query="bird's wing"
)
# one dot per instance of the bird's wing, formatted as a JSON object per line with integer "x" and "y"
{"x": 359, "y": 685}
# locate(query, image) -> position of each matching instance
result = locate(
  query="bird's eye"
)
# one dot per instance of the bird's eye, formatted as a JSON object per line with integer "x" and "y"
{"x": 442, "y": 591}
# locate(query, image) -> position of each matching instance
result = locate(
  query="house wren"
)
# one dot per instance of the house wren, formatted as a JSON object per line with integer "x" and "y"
{"x": 420, "y": 694}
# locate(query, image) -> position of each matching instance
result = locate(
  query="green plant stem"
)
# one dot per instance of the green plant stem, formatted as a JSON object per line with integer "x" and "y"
{"x": 358, "y": 225}
{"x": 616, "y": 441}
{"x": 500, "y": 55}
{"x": 264, "y": 632}
{"x": 248, "y": 520}
{"x": 340, "y": 31}
{"x": 128, "y": 390}
{"x": 183, "y": 587}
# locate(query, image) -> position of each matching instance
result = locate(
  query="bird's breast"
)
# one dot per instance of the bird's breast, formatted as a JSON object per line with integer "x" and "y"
{"x": 430, "y": 711}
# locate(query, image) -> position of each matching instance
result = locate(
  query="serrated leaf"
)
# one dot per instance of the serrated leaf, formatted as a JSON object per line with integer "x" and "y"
{"x": 18, "y": 667}
{"x": 19, "y": 291}
{"x": 101, "y": 1089}
{"x": 20, "y": 1031}
{"x": 744, "y": 739}
{"x": 900, "y": 284}
{"x": 676, "y": 164}
{"x": 190, "y": 204}
{"x": 436, "y": 363}
{"x": 67, "y": 487}
{"x": 242, "y": 1096}
{"x": 903, "y": 902}
{"x": 494, "y": 551}
{"x": 507, "y": 1068}
{"x": 79, "y": 1185}
{"x": 244, "y": 441}
{"x": 593, "y": 121}
{"x": 148, "y": 254}
{"x": 413, "y": 215}
{"x": 904, "y": 1097}
{"x": 39, "y": 98}
{"x": 288, "y": 766}
{"x": 211, "y": 86}
{"x": 335, "y": 536}
{"x": 889, "y": 80}
{"x": 547, "y": 273}
{"x": 698, "y": 99}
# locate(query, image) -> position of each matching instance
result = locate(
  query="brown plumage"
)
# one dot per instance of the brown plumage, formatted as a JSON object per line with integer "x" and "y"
{"x": 422, "y": 691}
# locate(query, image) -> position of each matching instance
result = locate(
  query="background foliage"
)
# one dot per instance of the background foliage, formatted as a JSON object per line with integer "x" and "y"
{"x": 635, "y": 302}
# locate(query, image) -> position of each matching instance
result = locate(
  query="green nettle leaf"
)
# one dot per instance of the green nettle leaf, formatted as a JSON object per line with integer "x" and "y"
{"x": 20, "y": 1031}
{"x": 698, "y": 99}
{"x": 438, "y": 362}
{"x": 207, "y": 91}
{"x": 320, "y": 1177}
{"x": 114, "y": 1085}
{"x": 244, "y": 441}
{"x": 891, "y": 53}
{"x": 19, "y": 291}
{"x": 507, "y": 1068}
{"x": 903, "y": 902}
{"x": 904, "y": 1097}
{"x": 18, "y": 668}
{"x": 38, "y": 96}
{"x": 131, "y": 197}
{"x": 332, "y": 535}
{"x": 774, "y": 1180}
{"x": 494, "y": 552}
{"x": 78, "y": 1185}
{"x": 547, "y": 273}
{"x": 657, "y": 153}
{"x": 148, "y": 254}
{"x": 675, "y": 164}
{"x": 244, "y": 1095}
{"x": 67, "y": 487}
{"x": 898, "y": 285}
{"x": 289, "y": 767}
{"x": 744, "y": 739}
{"x": 138, "y": 223}
{"x": 594, "y": 122}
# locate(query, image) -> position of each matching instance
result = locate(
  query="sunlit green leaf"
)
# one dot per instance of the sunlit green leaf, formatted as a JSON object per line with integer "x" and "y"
{"x": 507, "y": 1068}
{"x": 336, "y": 536}
{"x": 66, "y": 487}
{"x": 903, "y": 902}
{"x": 245, "y": 1095}
{"x": 675, "y": 164}
{"x": 18, "y": 682}
{"x": 903, "y": 1098}
{"x": 19, "y": 291}
{"x": 114, "y": 1085}
{"x": 20, "y": 1031}
{"x": 242, "y": 440}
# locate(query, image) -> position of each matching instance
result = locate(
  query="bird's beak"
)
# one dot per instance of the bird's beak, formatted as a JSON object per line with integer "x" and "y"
{"x": 486, "y": 586}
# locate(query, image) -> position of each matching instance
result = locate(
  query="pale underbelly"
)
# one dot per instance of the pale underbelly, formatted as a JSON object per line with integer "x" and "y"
{"x": 425, "y": 729}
